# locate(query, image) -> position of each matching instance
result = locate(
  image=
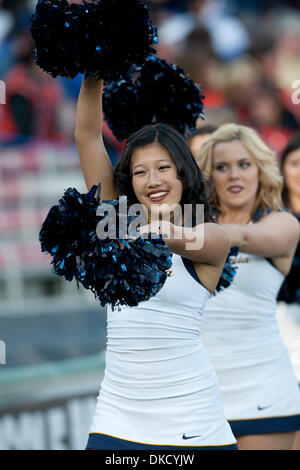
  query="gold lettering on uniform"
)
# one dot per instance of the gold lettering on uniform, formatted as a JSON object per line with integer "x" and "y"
{"x": 170, "y": 273}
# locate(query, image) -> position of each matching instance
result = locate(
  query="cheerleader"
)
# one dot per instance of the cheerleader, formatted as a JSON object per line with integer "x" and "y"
{"x": 258, "y": 385}
{"x": 154, "y": 395}
{"x": 288, "y": 312}
{"x": 159, "y": 389}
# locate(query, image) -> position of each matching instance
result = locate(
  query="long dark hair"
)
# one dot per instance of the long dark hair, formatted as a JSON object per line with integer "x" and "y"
{"x": 293, "y": 144}
{"x": 194, "y": 186}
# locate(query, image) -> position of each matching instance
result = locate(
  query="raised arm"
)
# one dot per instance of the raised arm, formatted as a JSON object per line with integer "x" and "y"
{"x": 95, "y": 162}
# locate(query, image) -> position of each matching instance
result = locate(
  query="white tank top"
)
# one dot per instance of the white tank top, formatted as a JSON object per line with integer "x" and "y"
{"x": 242, "y": 338}
{"x": 247, "y": 306}
{"x": 159, "y": 384}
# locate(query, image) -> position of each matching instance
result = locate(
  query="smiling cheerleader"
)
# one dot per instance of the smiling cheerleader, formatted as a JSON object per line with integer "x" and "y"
{"x": 159, "y": 389}
{"x": 154, "y": 394}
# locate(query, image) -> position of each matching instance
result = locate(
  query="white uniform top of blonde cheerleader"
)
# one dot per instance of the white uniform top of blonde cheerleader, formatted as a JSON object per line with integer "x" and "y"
{"x": 242, "y": 338}
{"x": 159, "y": 386}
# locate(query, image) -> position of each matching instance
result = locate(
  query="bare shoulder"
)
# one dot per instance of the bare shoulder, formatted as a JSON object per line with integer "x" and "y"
{"x": 216, "y": 246}
{"x": 217, "y": 241}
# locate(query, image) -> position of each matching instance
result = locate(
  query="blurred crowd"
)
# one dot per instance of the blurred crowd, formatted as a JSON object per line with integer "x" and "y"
{"x": 244, "y": 54}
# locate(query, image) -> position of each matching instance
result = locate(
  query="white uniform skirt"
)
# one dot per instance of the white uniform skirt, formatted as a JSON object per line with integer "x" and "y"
{"x": 258, "y": 385}
{"x": 263, "y": 395}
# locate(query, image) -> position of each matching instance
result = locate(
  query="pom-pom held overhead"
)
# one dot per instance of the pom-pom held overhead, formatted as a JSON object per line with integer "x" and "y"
{"x": 122, "y": 108}
{"x": 161, "y": 93}
{"x": 118, "y": 271}
{"x": 171, "y": 95}
{"x": 106, "y": 38}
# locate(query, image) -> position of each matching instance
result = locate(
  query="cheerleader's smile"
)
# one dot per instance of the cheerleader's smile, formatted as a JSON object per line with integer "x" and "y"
{"x": 155, "y": 179}
{"x": 157, "y": 196}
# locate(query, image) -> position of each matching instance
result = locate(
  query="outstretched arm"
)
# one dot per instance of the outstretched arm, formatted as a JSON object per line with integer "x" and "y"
{"x": 206, "y": 243}
{"x": 274, "y": 236}
{"x": 95, "y": 162}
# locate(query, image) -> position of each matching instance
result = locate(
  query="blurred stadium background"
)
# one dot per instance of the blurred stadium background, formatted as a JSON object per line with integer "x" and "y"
{"x": 246, "y": 57}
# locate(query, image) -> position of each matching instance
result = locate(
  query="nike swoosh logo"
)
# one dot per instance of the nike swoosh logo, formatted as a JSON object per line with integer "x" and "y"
{"x": 190, "y": 437}
{"x": 260, "y": 408}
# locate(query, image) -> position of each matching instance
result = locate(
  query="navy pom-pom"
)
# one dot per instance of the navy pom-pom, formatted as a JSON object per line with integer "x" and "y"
{"x": 122, "y": 108}
{"x": 117, "y": 270}
{"x": 161, "y": 93}
{"x": 229, "y": 271}
{"x": 65, "y": 232}
{"x": 106, "y": 38}
{"x": 171, "y": 95}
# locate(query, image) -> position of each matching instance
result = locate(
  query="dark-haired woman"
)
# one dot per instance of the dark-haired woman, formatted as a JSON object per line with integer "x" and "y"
{"x": 288, "y": 313}
{"x": 159, "y": 390}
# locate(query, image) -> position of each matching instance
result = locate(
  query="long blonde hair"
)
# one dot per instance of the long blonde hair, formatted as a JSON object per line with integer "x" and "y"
{"x": 270, "y": 179}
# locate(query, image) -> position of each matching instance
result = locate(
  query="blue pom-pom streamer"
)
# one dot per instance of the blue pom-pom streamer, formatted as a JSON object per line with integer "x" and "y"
{"x": 161, "y": 93}
{"x": 229, "y": 271}
{"x": 117, "y": 271}
{"x": 106, "y": 38}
